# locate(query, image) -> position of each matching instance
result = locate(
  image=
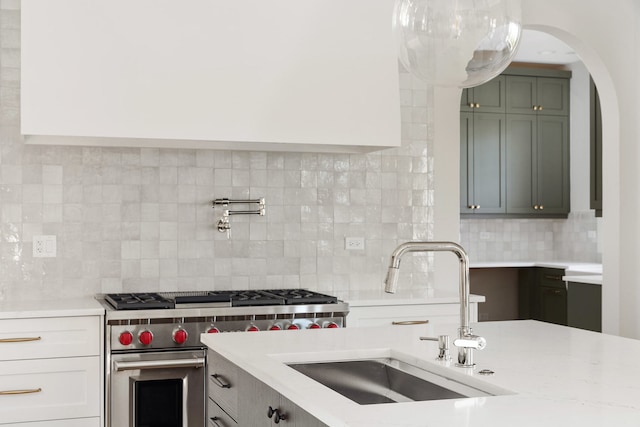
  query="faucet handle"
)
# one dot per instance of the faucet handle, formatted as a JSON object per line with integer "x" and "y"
{"x": 443, "y": 346}
{"x": 470, "y": 341}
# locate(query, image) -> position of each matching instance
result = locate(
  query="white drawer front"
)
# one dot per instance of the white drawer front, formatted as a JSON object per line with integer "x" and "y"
{"x": 78, "y": 422}
{"x": 49, "y": 389}
{"x": 50, "y": 337}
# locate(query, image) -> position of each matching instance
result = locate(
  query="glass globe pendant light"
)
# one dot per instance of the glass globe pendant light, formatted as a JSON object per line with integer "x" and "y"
{"x": 459, "y": 43}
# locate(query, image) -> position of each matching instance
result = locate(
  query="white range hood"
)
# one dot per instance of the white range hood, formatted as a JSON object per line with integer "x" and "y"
{"x": 317, "y": 75}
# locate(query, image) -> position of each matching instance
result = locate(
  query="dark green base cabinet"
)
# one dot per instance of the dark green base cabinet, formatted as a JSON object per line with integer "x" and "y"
{"x": 544, "y": 296}
{"x": 584, "y": 306}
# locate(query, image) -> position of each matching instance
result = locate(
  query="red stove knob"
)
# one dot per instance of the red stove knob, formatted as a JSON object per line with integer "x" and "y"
{"x": 252, "y": 328}
{"x": 293, "y": 327}
{"x": 332, "y": 325}
{"x": 125, "y": 338}
{"x": 213, "y": 330}
{"x": 313, "y": 325}
{"x": 275, "y": 327}
{"x": 180, "y": 336}
{"x": 145, "y": 337}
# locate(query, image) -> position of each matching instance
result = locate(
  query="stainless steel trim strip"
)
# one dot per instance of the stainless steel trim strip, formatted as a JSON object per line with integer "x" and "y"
{"x": 159, "y": 364}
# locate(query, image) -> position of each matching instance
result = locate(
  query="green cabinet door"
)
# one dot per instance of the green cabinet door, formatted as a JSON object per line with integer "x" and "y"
{"x": 489, "y": 97}
{"x": 482, "y": 156}
{"x": 537, "y": 95}
{"x": 552, "y": 165}
{"x": 521, "y": 163}
{"x": 537, "y": 165}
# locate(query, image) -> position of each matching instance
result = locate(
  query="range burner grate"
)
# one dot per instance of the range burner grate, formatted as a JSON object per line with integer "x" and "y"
{"x": 136, "y": 301}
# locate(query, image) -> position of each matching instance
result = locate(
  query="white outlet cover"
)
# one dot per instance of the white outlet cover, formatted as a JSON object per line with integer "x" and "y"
{"x": 354, "y": 243}
{"x": 44, "y": 246}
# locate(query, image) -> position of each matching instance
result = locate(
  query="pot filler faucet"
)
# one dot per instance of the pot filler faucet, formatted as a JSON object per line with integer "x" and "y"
{"x": 466, "y": 341}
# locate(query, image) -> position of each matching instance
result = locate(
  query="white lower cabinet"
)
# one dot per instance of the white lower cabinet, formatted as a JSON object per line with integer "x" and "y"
{"x": 78, "y": 422}
{"x": 382, "y": 315}
{"x": 51, "y": 372}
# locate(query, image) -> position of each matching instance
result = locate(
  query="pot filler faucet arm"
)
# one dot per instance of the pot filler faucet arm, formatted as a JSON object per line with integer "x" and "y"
{"x": 466, "y": 341}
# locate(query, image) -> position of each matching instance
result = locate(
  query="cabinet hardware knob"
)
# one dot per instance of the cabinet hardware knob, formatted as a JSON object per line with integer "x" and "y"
{"x": 471, "y": 104}
{"x": 539, "y": 107}
{"x": 477, "y": 206}
{"x": 535, "y": 108}
{"x": 541, "y": 207}
{"x": 477, "y": 105}
{"x": 536, "y": 207}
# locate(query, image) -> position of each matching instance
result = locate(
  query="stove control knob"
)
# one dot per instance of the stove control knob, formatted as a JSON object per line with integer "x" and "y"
{"x": 252, "y": 328}
{"x": 145, "y": 337}
{"x": 125, "y": 338}
{"x": 293, "y": 327}
{"x": 332, "y": 325}
{"x": 313, "y": 325}
{"x": 180, "y": 336}
{"x": 213, "y": 330}
{"x": 275, "y": 327}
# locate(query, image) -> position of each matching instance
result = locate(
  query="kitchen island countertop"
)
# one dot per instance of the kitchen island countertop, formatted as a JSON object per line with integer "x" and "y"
{"x": 557, "y": 375}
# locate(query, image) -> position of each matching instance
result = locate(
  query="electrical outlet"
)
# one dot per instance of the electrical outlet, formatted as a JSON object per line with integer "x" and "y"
{"x": 44, "y": 246}
{"x": 354, "y": 243}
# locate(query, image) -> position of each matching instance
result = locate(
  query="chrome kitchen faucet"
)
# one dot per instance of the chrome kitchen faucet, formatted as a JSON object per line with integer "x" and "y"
{"x": 466, "y": 341}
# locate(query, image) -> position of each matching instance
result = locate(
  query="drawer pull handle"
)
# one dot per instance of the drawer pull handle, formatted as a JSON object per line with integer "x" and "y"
{"x": 410, "y": 322}
{"x": 26, "y": 339}
{"x": 552, "y": 277}
{"x": 11, "y": 392}
{"x": 218, "y": 379}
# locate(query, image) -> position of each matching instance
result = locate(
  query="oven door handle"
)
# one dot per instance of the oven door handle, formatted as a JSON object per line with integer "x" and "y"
{"x": 198, "y": 362}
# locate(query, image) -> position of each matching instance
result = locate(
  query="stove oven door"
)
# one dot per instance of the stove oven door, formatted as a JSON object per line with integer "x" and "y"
{"x": 159, "y": 389}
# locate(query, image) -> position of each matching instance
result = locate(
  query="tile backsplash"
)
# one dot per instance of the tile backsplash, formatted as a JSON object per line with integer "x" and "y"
{"x": 572, "y": 239}
{"x": 132, "y": 219}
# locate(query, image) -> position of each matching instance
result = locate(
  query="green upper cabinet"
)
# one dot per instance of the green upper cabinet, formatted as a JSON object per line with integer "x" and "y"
{"x": 482, "y": 163}
{"x": 537, "y": 95}
{"x": 537, "y": 165}
{"x": 487, "y": 98}
{"x": 514, "y": 145}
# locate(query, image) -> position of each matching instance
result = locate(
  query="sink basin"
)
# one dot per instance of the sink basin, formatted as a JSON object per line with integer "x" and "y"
{"x": 386, "y": 380}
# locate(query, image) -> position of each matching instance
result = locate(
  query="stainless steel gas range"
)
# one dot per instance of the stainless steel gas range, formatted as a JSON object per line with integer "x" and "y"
{"x": 155, "y": 362}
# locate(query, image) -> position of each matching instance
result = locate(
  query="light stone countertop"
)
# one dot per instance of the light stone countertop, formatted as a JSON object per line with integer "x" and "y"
{"x": 582, "y": 272}
{"x": 378, "y": 297}
{"x": 68, "y": 307}
{"x": 559, "y": 375}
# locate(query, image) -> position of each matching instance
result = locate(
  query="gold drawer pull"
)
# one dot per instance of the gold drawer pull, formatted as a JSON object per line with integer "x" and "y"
{"x": 410, "y": 322}
{"x": 10, "y": 392}
{"x": 27, "y": 339}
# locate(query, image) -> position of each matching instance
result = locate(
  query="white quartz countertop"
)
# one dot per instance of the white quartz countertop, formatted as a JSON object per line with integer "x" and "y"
{"x": 376, "y": 297}
{"x": 67, "y": 307}
{"x": 558, "y": 375}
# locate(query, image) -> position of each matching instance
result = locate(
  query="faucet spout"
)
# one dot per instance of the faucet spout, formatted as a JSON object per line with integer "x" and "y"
{"x": 465, "y": 356}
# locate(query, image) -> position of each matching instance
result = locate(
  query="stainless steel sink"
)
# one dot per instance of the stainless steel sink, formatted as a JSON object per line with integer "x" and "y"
{"x": 374, "y": 381}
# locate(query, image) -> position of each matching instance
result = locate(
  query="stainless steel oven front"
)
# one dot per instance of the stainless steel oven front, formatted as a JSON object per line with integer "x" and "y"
{"x": 157, "y": 389}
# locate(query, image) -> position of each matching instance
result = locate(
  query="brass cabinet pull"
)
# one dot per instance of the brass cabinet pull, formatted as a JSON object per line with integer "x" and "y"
{"x": 11, "y": 392}
{"x": 410, "y": 322}
{"x": 26, "y": 339}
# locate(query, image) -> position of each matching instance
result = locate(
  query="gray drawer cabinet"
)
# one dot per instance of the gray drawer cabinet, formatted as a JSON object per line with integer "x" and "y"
{"x": 487, "y": 98}
{"x": 537, "y": 95}
{"x": 537, "y": 165}
{"x": 482, "y": 163}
